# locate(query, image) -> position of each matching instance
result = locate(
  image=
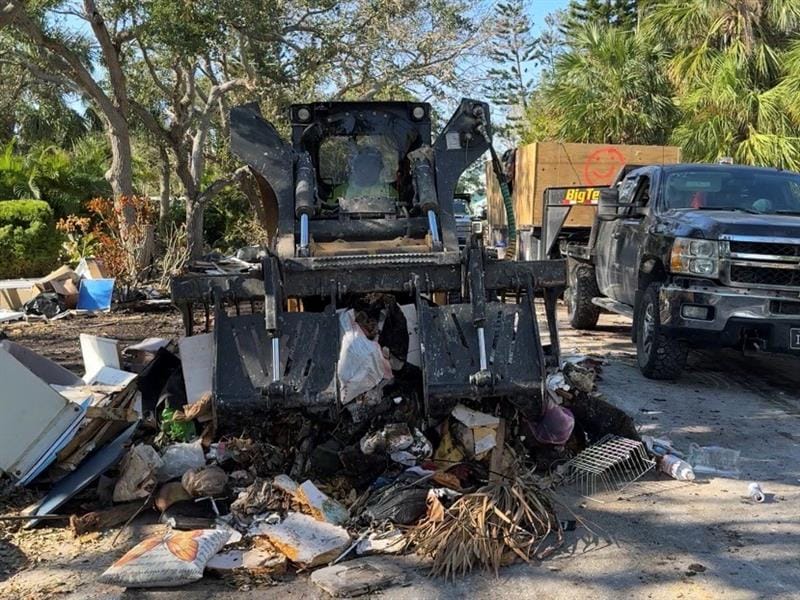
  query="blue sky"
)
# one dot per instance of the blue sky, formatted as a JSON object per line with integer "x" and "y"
{"x": 538, "y": 9}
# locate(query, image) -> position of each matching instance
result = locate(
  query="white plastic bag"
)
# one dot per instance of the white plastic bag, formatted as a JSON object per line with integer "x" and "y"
{"x": 179, "y": 458}
{"x": 362, "y": 365}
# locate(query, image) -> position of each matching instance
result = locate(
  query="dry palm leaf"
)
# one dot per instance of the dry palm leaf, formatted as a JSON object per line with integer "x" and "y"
{"x": 501, "y": 521}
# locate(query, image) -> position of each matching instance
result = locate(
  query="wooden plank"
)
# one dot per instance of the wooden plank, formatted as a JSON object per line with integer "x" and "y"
{"x": 495, "y": 211}
{"x": 101, "y": 520}
{"x": 496, "y": 460}
{"x": 112, "y": 414}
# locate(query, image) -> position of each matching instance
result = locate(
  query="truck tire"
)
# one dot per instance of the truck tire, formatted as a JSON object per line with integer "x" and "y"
{"x": 582, "y": 288}
{"x": 659, "y": 355}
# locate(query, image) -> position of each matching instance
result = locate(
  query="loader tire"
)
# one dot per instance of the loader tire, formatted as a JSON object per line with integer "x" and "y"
{"x": 660, "y": 356}
{"x": 582, "y": 288}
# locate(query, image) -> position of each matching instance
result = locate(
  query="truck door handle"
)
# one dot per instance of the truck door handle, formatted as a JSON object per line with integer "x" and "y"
{"x": 616, "y": 235}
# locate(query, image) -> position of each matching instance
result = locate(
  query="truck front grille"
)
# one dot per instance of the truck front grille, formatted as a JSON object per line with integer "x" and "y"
{"x": 765, "y": 248}
{"x": 765, "y": 276}
{"x": 762, "y": 263}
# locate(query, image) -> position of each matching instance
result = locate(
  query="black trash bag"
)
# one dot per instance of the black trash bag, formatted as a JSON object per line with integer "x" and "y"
{"x": 394, "y": 334}
{"x": 154, "y": 377}
{"x": 398, "y": 503}
{"x": 46, "y": 304}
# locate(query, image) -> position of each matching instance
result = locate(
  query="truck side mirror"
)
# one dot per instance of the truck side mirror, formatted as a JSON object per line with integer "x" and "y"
{"x": 608, "y": 204}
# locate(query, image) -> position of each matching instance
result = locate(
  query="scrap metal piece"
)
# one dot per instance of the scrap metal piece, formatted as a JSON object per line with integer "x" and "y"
{"x": 610, "y": 465}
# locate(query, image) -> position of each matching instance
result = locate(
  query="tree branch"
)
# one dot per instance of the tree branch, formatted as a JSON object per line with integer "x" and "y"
{"x": 110, "y": 54}
{"x": 217, "y": 186}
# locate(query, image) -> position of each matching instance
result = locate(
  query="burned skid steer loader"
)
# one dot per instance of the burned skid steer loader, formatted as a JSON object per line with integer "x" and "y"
{"x": 360, "y": 206}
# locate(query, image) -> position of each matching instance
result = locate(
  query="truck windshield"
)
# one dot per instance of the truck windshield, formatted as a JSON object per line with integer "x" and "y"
{"x": 735, "y": 189}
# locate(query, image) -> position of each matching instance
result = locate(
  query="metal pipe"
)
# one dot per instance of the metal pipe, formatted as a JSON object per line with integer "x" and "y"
{"x": 434, "y": 227}
{"x": 482, "y": 349}
{"x": 276, "y": 359}
{"x": 303, "y": 232}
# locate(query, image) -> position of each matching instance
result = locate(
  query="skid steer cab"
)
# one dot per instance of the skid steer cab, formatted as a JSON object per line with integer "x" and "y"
{"x": 363, "y": 243}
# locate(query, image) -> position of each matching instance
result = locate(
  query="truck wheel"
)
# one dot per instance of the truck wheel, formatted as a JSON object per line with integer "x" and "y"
{"x": 582, "y": 288}
{"x": 659, "y": 355}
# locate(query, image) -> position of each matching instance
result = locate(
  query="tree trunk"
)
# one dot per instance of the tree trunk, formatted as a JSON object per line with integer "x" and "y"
{"x": 120, "y": 173}
{"x": 163, "y": 186}
{"x": 194, "y": 205}
{"x": 194, "y": 228}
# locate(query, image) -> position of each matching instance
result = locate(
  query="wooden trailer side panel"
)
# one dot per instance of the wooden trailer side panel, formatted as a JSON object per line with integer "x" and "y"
{"x": 542, "y": 165}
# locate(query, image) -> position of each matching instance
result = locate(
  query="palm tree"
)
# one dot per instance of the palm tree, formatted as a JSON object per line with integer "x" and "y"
{"x": 736, "y": 67}
{"x": 609, "y": 87}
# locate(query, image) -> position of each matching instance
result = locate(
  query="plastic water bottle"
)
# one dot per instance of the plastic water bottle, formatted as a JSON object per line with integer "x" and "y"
{"x": 676, "y": 468}
{"x": 755, "y": 492}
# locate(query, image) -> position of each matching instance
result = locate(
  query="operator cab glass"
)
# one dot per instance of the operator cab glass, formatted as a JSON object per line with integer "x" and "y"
{"x": 460, "y": 207}
{"x": 361, "y": 157}
{"x": 737, "y": 189}
{"x": 359, "y": 167}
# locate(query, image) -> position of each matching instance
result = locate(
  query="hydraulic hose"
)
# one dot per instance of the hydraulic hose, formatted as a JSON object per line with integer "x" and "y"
{"x": 507, "y": 202}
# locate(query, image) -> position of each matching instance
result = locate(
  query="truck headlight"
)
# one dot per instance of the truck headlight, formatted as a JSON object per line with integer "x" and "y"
{"x": 695, "y": 257}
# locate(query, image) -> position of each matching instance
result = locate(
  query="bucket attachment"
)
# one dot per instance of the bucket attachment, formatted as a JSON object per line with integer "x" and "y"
{"x": 451, "y": 359}
{"x": 243, "y": 374}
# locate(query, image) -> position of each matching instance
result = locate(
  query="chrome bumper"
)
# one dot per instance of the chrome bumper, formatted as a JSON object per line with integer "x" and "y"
{"x": 726, "y": 303}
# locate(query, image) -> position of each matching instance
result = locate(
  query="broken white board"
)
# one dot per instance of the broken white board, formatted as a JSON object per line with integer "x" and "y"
{"x": 306, "y": 541}
{"x": 98, "y": 352}
{"x": 412, "y": 322}
{"x": 152, "y": 345}
{"x": 10, "y": 315}
{"x": 197, "y": 360}
{"x": 109, "y": 376}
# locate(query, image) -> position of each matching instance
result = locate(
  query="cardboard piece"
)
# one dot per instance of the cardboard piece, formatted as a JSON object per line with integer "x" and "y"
{"x": 98, "y": 352}
{"x": 197, "y": 357}
{"x": 64, "y": 282}
{"x": 16, "y": 292}
{"x": 91, "y": 268}
{"x": 95, "y": 294}
{"x": 477, "y": 431}
{"x": 306, "y": 541}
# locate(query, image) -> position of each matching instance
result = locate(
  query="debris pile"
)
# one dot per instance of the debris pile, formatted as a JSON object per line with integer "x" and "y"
{"x": 301, "y": 489}
{"x": 65, "y": 291}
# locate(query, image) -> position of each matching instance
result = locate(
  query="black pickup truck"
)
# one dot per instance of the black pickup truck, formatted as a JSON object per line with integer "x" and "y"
{"x": 699, "y": 256}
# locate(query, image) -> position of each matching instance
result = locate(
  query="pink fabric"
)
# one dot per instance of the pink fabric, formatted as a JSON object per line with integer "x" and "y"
{"x": 555, "y": 426}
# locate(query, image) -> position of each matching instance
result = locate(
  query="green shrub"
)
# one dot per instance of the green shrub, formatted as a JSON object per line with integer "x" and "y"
{"x": 29, "y": 242}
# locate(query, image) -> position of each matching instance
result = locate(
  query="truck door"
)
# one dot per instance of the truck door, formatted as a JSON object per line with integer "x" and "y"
{"x": 609, "y": 242}
{"x": 631, "y": 233}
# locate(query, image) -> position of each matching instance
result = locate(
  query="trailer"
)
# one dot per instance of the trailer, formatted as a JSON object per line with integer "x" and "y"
{"x": 534, "y": 168}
